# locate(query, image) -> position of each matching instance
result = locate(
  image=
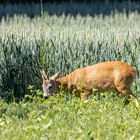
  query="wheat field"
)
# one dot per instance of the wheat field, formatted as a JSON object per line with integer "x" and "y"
{"x": 65, "y": 42}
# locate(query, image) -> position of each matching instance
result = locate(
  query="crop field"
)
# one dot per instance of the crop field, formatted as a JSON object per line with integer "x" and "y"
{"x": 65, "y": 41}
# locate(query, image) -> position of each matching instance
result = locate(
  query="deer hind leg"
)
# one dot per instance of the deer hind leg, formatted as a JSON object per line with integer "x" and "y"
{"x": 126, "y": 92}
{"x": 123, "y": 85}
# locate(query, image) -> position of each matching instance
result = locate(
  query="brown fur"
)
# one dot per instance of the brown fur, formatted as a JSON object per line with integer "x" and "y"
{"x": 111, "y": 75}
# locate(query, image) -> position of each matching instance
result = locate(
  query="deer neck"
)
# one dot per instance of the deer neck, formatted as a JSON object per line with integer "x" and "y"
{"x": 63, "y": 80}
{"x": 62, "y": 83}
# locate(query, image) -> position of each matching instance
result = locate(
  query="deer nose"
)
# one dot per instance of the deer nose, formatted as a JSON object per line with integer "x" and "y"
{"x": 45, "y": 97}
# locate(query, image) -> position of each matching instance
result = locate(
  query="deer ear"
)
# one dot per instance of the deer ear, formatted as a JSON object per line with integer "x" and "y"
{"x": 44, "y": 75}
{"x": 57, "y": 75}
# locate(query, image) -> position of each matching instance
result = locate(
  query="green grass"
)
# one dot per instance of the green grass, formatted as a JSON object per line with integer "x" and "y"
{"x": 58, "y": 118}
{"x": 65, "y": 43}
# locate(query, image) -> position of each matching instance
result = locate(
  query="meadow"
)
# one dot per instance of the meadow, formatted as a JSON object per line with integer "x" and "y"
{"x": 65, "y": 42}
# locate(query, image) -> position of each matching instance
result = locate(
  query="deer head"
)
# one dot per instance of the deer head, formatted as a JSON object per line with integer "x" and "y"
{"x": 49, "y": 84}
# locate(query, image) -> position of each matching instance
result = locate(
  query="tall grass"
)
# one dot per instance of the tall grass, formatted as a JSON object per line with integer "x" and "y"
{"x": 63, "y": 43}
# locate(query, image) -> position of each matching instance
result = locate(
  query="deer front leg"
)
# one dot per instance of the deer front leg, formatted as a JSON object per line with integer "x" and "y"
{"x": 84, "y": 95}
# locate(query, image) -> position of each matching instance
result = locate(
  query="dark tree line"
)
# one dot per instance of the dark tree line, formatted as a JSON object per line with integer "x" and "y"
{"x": 38, "y": 1}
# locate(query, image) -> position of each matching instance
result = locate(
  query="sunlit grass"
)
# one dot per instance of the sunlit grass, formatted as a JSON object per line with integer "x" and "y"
{"x": 57, "y": 118}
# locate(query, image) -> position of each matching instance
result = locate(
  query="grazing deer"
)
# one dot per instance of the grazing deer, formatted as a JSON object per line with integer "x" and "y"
{"x": 111, "y": 75}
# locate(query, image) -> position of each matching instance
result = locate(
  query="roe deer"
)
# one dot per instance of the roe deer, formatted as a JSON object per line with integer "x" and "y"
{"x": 111, "y": 75}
